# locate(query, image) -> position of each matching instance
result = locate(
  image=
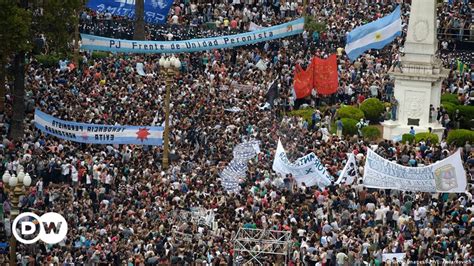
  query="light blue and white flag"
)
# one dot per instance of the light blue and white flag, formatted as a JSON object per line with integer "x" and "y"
{"x": 97, "y": 43}
{"x": 98, "y": 134}
{"x": 374, "y": 35}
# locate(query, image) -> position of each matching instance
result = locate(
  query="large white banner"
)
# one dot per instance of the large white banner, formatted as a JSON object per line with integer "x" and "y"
{"x": 307, "y": 169}
{"x": 98, "y": 43}
{"x": 446, "y": 176}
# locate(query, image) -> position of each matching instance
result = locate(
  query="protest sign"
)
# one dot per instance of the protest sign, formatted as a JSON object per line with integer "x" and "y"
{"x": 237, "y": 168}
{"x": 446, "y": 176}
{"x": 92, "y": 42}
{"x": 155, "y": 11}
{"x": 98, "y": 134}
{"x": 254, "y": 27}
{"x": 390, "y": 256}
{"x": 350, "y": 171}
{"x": 307, "y": 169}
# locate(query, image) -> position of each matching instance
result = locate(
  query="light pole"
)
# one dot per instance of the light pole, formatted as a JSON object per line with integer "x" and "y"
{"x": 16, "y": 186}
{"x": 169, "y": 67}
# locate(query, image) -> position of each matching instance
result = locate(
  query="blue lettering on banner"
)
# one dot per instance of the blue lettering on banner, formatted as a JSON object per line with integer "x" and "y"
{"x": 92, "y": 42}
{"x": 382, "y": 173}
{"x": 98, "y": 134}
{"x": 155, "y": 11}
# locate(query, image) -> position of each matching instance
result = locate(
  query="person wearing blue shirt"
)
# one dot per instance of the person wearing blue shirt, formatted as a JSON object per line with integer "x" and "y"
{"x": 315, "y": 37}
{"x": 412, "y": 131}
{"x": 339, "y": 127}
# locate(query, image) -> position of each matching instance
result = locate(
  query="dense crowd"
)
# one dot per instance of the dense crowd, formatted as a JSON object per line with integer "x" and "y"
{"x": 123, "y": 208}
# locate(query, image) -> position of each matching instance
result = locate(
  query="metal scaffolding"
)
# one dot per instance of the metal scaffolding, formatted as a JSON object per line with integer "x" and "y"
{"x": 254, "y": 246}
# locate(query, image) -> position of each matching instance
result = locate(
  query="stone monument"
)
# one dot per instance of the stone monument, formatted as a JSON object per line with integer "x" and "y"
{"x": 418, "y": 80}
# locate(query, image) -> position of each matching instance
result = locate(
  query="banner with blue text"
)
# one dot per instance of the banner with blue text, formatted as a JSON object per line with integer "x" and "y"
{"x": 446, "y": 176}
{"x": 155, "y": 11}
{"x": 98, "y": 134}
{"x": 92, "y": 42}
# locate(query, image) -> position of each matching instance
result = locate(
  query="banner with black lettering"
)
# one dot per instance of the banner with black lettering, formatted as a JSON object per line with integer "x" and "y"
{"x": 92, "y": 42}
{"x": 98, "y": 134}
{"x": 350, "y": 171}
{"x": 447, "y": 176}
{"x": 307, "y": 169}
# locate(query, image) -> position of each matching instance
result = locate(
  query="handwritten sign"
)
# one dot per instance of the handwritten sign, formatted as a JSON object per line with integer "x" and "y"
{"x": 446, "y": 176}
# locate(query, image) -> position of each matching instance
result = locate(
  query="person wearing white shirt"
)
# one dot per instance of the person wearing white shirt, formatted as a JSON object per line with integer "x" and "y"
{"x": 174, "y": 20}
{"x": 379, "y": 215}
{"x": 370, "y": 207}
{"x": 74, "y": 176}
{"x": 65, "y": 171}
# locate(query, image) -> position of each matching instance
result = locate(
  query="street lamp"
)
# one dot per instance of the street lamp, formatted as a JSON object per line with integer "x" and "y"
{"x": 16, "y": 186}
{"x": 169, "y": 67}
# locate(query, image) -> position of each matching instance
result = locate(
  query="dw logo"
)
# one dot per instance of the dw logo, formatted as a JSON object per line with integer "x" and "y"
{"x": 52, "y": 227}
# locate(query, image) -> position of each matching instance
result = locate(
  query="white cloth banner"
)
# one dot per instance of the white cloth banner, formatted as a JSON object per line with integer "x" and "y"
{"x": 390, "y": 256}
{"x": 237, "y": 168}
{"x": 253, "y": 27}
{"x": 447, "y": 176}
{"x": 234, "y": 109}
{"x": 140, "y": 70}
{"x": 98, "y": 43}
{"x": 350, "y": 171}
{"x": 307, "y": 169}
{"x": 261, "y": 65}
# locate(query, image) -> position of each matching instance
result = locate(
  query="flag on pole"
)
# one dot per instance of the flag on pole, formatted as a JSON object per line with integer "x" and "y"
{"x": 303, "y": 81}
{"x": 254, "y": 27}
{"x": 461, "y": 67}
{"x": 272, "y": 92}
{"x": 350, "y": 171}
{"x": 325, "y": 75}
{"x": 374, "y": 35}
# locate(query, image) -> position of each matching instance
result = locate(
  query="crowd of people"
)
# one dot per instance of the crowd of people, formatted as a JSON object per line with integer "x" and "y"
{"x": 124, "y": 208}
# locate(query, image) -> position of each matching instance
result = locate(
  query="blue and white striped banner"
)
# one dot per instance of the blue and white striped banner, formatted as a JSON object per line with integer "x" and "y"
{"x": 98, "y": 134}
{"x": 92, "y": 42}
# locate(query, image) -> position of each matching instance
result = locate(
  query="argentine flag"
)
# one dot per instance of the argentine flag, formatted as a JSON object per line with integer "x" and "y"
{"x": 374, "y": 35}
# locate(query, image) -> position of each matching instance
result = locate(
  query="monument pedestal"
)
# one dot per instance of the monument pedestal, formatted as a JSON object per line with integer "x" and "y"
{"x": 418, "y": 85}
{"x": 393, "y": 130}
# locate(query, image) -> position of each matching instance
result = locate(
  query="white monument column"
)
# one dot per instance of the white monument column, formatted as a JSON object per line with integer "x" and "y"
{"x": 419, "y": 83}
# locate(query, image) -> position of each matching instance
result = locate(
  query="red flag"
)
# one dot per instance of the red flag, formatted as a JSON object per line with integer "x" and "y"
{"x": 325, "y": 75}
{"x": 303, "y": 81}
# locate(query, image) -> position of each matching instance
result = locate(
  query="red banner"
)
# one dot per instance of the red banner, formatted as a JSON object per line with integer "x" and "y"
{"x": 303, "y": 81}
{"x": 325, "y": 79}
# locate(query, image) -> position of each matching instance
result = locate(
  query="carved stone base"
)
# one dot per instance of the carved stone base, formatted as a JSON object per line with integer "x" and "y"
{"x": 392, "y": 130}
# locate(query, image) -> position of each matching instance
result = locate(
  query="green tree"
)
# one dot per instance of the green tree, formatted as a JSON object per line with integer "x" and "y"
{"x": 18, "y": 28}
{"x": 311, "y": 25}
{"x": 14, "y": 37}
{"x": 58, "y": 23}
{"x": 373, "y": 109}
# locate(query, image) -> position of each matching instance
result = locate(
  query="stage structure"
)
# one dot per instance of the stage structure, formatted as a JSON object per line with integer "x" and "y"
{"x": 252, "y": 245}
